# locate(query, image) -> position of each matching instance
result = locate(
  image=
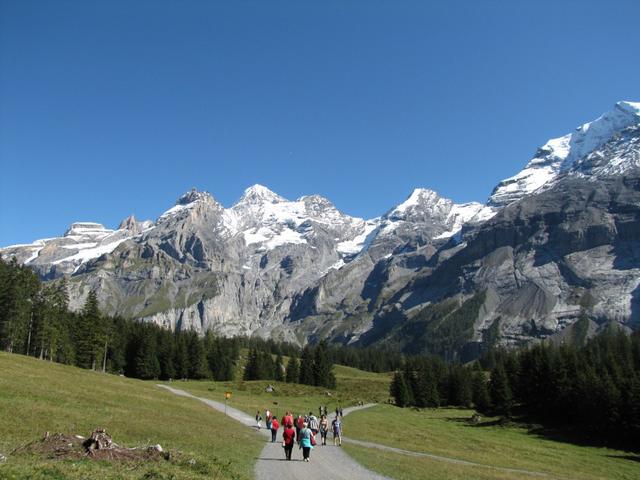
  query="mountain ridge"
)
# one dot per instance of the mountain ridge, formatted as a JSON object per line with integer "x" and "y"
{"x": 519, "y": 266}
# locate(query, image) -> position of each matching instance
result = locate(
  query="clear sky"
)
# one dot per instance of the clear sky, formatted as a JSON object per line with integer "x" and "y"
{"x": 109, "y": 108}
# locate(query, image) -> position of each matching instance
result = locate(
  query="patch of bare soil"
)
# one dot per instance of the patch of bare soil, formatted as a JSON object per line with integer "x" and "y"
{"x": 99, "y": 446}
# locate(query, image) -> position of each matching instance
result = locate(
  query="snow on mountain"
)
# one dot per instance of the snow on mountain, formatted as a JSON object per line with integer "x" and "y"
{"x": 361, "y": 241}
{"x": 561, "y": 154}
{"x": 269, "y": 220}
{"x": 461, "y": 214}
{"x": 83, "y": 241}
{"x": 441, "y": 215}
{"x": 185, "y": 203}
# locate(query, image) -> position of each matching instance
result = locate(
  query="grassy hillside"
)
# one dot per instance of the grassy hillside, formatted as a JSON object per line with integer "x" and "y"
{"x": 38, "y": 396}
{"x": 445, "y": 432}
{"x": 353, "y": 386}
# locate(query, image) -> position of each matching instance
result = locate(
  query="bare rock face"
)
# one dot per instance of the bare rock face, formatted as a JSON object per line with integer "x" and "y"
{"x": 556, "y": 243}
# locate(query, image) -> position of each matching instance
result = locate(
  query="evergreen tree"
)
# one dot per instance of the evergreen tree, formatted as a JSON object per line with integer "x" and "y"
{"x": 306, "y": 367}
{"x": 181, "y": 359}
{"x": 293, "y": 370}
{"x": 481, "y": 400}
{"x": 198, "y": 368}
{"x": 87, "y": 340}
{"x": 278, "y": 374}
{"x": 251, "y": 370}
{"x": 399, "y": 391}
{"x": 144, "y": 358}
{"x": 322, "y": 368}
{"x": 500, "y": 391}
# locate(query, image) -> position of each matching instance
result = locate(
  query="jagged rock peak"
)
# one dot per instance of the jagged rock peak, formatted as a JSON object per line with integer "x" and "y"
{"x": 85, "y": 228}
{"x": 260, "y": 194}
{"x": 134, "y": 226}
{"x": 193, "y": 195}
{"x": 129, "y": 223}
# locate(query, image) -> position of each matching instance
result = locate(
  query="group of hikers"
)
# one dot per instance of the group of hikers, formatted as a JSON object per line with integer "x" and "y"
{"x": 303, "y": 429}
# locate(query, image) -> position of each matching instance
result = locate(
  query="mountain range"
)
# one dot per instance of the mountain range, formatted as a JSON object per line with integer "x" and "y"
{"x": 554, "y": 252}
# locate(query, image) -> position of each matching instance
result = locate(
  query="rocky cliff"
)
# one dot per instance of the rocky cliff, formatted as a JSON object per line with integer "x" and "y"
{"x": 555, "y": 245}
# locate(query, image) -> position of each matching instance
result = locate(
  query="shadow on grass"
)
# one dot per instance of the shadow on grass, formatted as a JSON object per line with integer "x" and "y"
{"x": 468, "y": 422}
{"x": 562, "y": 434}
{"x": 632, "y": 458}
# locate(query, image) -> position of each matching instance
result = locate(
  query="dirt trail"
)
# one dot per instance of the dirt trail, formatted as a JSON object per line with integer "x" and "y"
{"x": 326, "y": 461}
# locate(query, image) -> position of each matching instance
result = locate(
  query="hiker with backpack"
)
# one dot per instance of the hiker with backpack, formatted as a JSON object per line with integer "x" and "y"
{"x": 274, "y": 428}
{"x": 313, "y": 423}
{"x": 299, "y": 425}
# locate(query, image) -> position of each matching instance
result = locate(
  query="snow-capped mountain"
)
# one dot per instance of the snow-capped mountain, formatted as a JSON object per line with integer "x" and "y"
{"x": 82, "y": 242}
{"x": 560, "y": 155}
{"x": 556, "y": 243}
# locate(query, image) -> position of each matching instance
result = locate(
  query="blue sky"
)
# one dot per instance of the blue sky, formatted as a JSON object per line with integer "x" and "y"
{"x": 117, "y": 107}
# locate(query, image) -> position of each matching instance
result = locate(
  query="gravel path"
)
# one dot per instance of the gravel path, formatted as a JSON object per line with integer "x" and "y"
{"x": 326, "y": 461}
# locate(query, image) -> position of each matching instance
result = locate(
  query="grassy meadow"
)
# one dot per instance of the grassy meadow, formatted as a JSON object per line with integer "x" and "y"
{"x": 37, "y": 396}
{"x": 446, "y": 432}
{"x": 353, "y": 386}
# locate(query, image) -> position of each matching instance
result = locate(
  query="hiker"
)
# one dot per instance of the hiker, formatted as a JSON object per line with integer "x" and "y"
{"x": 299, "y": 425}
{"x": 340, "y": 412}
{"x": 324, "y": 428}
{"x": 274, "y": 428}
{"x": 337, "y": 431}
{"x": 313, "y": 423}
{"x": 287, "y": 420}
{"x": 259, "y": 419}
{"x": 268, "y": 421}
{"x": 288, "y": 437}
{"x": 305, "y": 441}
{"x": 320, "y": 411}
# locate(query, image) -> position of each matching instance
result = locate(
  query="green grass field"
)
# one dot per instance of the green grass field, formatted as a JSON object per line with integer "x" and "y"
{"x": 353, "y": 386}
{"x": 38, "y": 396}
{"x": 445, "y": 432}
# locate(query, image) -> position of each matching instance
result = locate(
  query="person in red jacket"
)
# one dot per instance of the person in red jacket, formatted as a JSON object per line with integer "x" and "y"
{"x": 274, "y": 428}
{"x": 288, "y": 440}
{"x": 287, "y": 420}
{"x": 299, "y": 425}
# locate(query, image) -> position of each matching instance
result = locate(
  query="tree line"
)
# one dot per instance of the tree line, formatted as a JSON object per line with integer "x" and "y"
{"x": 35, "y": 320}
{"x": 314, "y": 367}
{"x": 591, "y": 388}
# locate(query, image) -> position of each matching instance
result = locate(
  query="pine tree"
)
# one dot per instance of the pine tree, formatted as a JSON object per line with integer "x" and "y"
{"x": 322, "y": 368}
{"x": 306, "y": 367}
{"x": 399, "y": 391}
{"x": 500, "y": 391}
{"x": 87, "y": 340}
{"x": 293, "y": 370}
{"x": 278, "y": 374}
{"x": 481, "y": 400}
{"x": 181, "y": 359}
{"x": 198, "y": 368}
{"x": 251, "y": 370}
